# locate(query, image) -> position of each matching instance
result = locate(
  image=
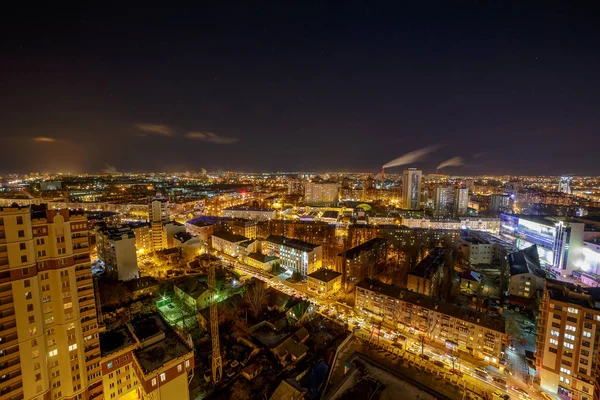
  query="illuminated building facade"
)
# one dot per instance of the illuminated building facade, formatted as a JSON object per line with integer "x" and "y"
{"x": 146, "y": 360}
{"x": 49, "y": 327}
{"x": 294, "y": 255}
{"x": 559, "y": 242}
{"x": 411, "y": 189}
{"x": 568, "y": 341}
{"x": 321, "y": 192}
{"x": 477, "y": 333}
{"x": 117, "y": 250}
{"x": 564, "y": 184}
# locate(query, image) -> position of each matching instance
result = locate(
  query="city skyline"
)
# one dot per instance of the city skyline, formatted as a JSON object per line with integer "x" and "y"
{"x": 309, "y": 87}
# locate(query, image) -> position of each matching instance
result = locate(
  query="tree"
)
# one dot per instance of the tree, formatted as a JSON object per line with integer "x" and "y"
{"x": 256, "y": 298}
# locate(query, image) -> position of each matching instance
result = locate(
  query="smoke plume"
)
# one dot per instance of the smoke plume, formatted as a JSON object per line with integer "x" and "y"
{"x": 411, "y": 157}
{"x": 452, "y": 162}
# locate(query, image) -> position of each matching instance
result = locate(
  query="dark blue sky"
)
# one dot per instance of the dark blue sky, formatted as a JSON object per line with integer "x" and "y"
{"x": 301, "y": 86}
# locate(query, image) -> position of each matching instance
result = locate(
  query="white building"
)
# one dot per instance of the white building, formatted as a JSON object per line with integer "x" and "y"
{"x": 461, "y": 201}
{"x": 158, "y": 210}
{"x": 251, "y": 213}
{"x": 117, "y": 250}
{"x": 411, "y": 189}
{"x": 491, "y": 225}
{"x": 227, "y": 243}
{"x": 294, "y": 255}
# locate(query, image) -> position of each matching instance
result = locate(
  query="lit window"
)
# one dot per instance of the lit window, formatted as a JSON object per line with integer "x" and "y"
{"x": 163, "y": 377}
{"x": 571, "y": 328}
{"x": 573, "y": 310}
{"x": 52, "y": 353}
{"x": 554, "y": 342}
{"x": 554, "y": 333}
{"x": 153, "y": 381}
{"x": 179, "y": 368}
{"x": 568, "y": 345}
{"x": 566, "y": 371}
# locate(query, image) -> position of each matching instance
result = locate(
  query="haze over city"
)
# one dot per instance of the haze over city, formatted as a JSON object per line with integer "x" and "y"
{"x": 300, "y": 86}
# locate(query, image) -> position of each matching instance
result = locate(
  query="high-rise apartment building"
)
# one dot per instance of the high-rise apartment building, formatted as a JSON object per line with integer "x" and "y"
{"x": 117, "y": 249}
{"x": 321, "y": 192}
{"x": 461, "y": 202}
{"x": 500, "y": 203}
{"x": 568, "y": 341}
{"x": 48, "y": 323}
{"x": 411, "y": 189}
{"x": 158, "y": 210}
{"x": 294, "y": 254}
{"x": 444, "y": 200}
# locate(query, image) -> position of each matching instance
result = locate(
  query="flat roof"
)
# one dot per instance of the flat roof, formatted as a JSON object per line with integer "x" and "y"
{"x": 260, "y": 257}
{"x": 115, "y": 340}
{"x": 325, "y": 275}
{"x": 355, "y": 251}
{"x": 230, "y": 237}
{"x": 492, "y": 322}
{"x": 433, "y": 260}
{"x": 294, "y": 243}
{"x": 156, "y": 355}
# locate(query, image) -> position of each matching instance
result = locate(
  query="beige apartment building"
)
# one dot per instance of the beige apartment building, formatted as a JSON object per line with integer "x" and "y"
{"x": 48, "y": 323}
{"x": 146, "y": 360}
{"x": 568, "y": 341}
{"x": 473, "y": 332}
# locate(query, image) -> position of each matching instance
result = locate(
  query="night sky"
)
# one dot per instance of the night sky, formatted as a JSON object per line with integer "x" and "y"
{"x": 307, "y": 86}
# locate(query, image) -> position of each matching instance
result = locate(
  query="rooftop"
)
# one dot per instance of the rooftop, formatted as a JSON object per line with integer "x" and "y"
{"x": 230, "y": 237}
{"x": 115, "y": 340}
{"x": 324, "y": 275}
{"x": 294, "y": 243}
{"x": 261, "y": 257}
{"x": 193, "y": 287}
{"x": 492, "y": 322}
{"x": 156, "y": 355}
{"x": 375, "y": 285}
{"x": 573, "y": 294}
{"x": 355, "y": 251}
{"x": 526, "y": 261}
{"x": 434, "y": 259}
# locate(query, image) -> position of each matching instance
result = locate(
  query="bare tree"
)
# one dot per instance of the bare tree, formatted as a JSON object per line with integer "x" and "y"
{"x": 256, "y": 297}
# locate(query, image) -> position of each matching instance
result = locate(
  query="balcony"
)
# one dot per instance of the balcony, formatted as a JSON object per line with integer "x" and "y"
{"x": 87, "y": 302}
{"x": 10, "y": 366}
{"x": 81, "y": 250}
{"x": 6, "y": 303}
{"x": 6, "y": 316}
{"x": 79, "y": 239}
{"x": 82, "y": 270}
{"x": 85, "y": 292}
{"x": 11, "y": 389}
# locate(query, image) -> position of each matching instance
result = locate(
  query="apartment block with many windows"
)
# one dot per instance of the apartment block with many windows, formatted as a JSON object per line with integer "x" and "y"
{"x": 48, "y": 323}
{"x": 568, "y": 340}
{"x": 476, "y": 333}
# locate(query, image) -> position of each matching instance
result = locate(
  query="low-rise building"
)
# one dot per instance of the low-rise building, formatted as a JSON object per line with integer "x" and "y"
{"x": 248, "y": 212}
{"x": 227, "y": 243}
{"x": 295, "y": 255}
{"x": 476, "y": 333}
{"x": 477, "y": 251}
{"x": 261, "y": 261}
{"x": 325, "y": 281}
{"x": 526, "y": 275}
{"x": 568, "y": 341}
{"x": 147, "y": 360}
{"x": 200, "y": 228}
{"x": 194, "y": 293}
{"x": 491, "y": 225}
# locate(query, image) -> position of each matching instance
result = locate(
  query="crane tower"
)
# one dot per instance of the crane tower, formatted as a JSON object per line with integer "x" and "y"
{"x": 217, "y": 363}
